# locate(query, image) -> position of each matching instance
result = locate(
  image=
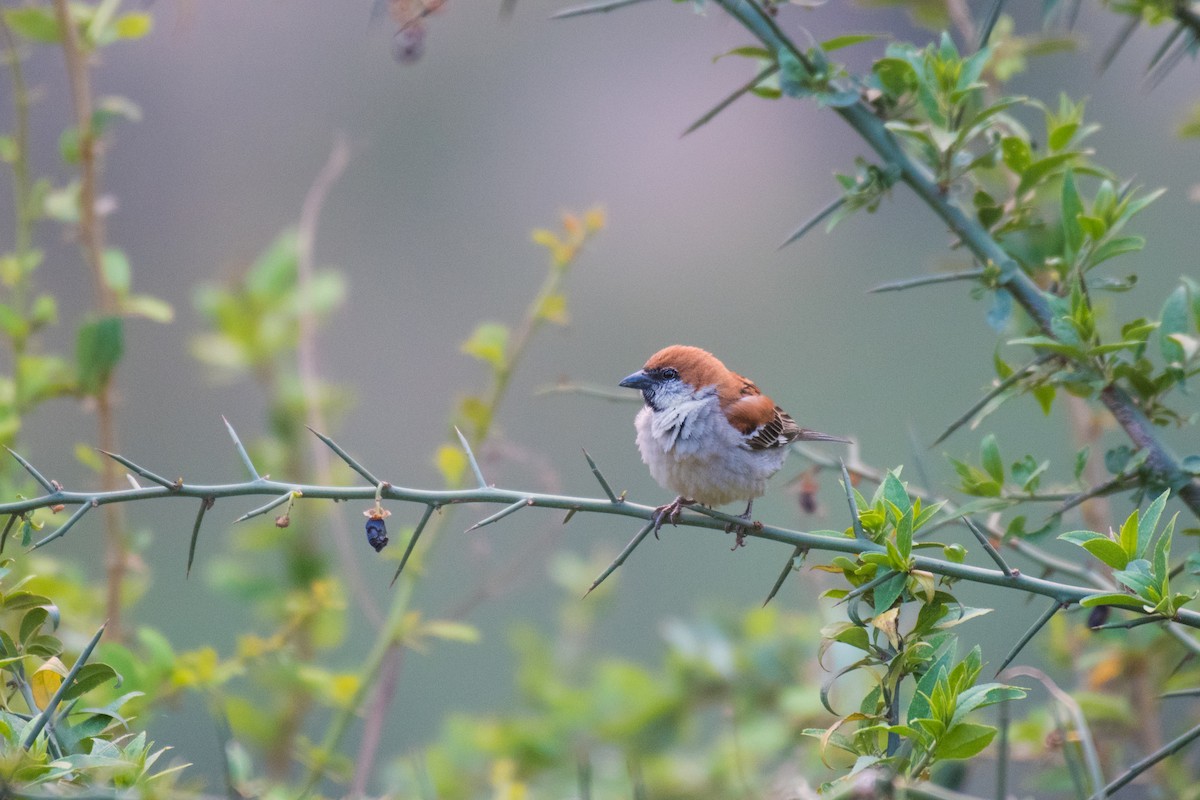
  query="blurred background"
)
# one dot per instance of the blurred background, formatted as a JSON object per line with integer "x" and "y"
{"x": 499, "y": 126}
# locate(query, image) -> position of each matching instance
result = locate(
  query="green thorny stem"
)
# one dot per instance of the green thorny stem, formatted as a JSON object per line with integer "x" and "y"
{"x": 437, "y": 498}
{"x": 91, "y": 241}
{"x": 982, "y": 245}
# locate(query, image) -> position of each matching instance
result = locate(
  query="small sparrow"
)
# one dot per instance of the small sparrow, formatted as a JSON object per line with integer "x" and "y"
{"x": 709, "y": 434}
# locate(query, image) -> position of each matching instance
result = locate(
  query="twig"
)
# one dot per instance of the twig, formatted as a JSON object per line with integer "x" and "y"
{"x": 37, "y": 476}
{"x": 1054, "y": 608}
{"x": 927, "y": 280}
{"x": 813, "y": 221}
{"x": 620, "y": 559}
{"x": 412, "y": 542}
{"x": 728, "y": 101}
{"x": 471, "y": 458}
{"x": 603, "y": 483}
{"x": 205, "y": 504}
{"x": 593, "y": 8}
{"x": 797, "y": 552}
{"x": 241, "y": 450}
{"x": 987, "y": 546}
{"x": 1138, "y": 767}
{"x": 137, "y": 470}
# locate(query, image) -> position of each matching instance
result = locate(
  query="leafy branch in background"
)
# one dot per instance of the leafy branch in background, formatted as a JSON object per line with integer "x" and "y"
{"x": 80, "y": 31}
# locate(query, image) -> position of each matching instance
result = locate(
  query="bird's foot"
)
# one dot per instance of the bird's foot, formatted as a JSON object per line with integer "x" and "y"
{"x": 741, "y": 529}
{"x": 669, "y": 513}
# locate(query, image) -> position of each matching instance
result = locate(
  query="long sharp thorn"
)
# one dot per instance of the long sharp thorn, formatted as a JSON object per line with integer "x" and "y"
{"x": 471, "y": 458}
{"x": 603, "y": 483}
{"x": 205, "y": 504}
{"x": 137, "y": 470}
{"x": 499, "y": 515}
{"x": 66, "y": 526}
{"x": 1136, "y": 769}
{"x": 593, "y": 8}
{"x": 570, "y": 514}
{"x": 1164, "y": 47}
{"x": 989, "y": 547}
{"x": 996, "y": 390}
{"x": 278, "y": 501}
{"x": 344, "y": 456}
{"x": 37, "y": 476}
{"x": 787, "y": 570}
{"x": 40, "y": 721}
{"x": 1132, "y": 623}
{"x": 629, "y": 548}
{"x": 12, "y": 519}
{"x": 859, "y": 533}
{"x": 1122, "y": 37}
{"x": 1054, "y": 608}
{"x": 241, "y": 450}
{"x": 868, "y": 586}
{"x": 728, "y": 101}
{"x": 926, "y": 280}
{"x": 989, "y": 22}
{"x": 813, "y": 221}
{"x": 1170, "y": 62}
{"x": 412, "y": 542}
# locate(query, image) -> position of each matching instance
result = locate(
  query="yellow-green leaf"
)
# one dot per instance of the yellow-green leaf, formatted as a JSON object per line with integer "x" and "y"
{"x": 451, "y": 462}
{"x": 553, "y": 308}
{"x": 134, "y": 25}
{"x": 451, "y": 630}
{"x": 488, "y": 343}
{"x": 46, "y": 680}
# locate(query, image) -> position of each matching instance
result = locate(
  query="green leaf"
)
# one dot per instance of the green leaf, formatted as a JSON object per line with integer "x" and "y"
{"x": 1060, "y": 135}
{"x": 1042, "y": 169}
{"x": 989, "y": 452}
{"x": 114, "y": 265}
{"x": 894, "y": 492}
{"x": 918, "y": 707}
{"x": 489, "y": 343}
{"x": 1162, "y": 555}
{"x": 1117, "y": 247}
{"x": 964, "y": 740}
{"x": 35, "y": 23}
{"x": 89, "y": 677}
{"x": 1138, "y": 576}
{"x": 1112, "y": 599}
{"x": 147, "y": 307}
{"x": 134, "y": 25}
{"x": 1016, "y": 153}
{"x": 1174, "y": 319}
{"x": 1129, "y": 539}
{"x": 848, "y": 40}
{"x": 1072, "y": 207}
{"x": 1100, "y": 546}
{"x": 1149, "y": 521}
{"x": 886, "y": 593}
{"x": 759, "y": 53}
{"x": 98, "y": 350}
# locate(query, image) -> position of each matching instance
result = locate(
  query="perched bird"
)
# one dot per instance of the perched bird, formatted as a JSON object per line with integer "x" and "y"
{"x": 708, "y": 434}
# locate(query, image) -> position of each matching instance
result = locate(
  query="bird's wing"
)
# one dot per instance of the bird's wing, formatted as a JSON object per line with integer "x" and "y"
{"x": 765, "y": 424}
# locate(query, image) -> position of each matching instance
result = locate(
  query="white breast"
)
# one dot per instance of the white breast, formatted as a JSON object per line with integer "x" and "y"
{"x": 692, "y": 450}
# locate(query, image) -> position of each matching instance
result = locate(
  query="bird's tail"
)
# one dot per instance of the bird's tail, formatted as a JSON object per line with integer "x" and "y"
{"x": 816, "y": 436}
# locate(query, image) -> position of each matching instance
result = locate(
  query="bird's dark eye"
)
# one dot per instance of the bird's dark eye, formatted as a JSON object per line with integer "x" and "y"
{"x": 670, "y": 374}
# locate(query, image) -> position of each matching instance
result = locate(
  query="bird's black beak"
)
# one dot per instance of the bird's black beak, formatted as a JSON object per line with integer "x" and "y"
{"x": 638, "y": 380}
